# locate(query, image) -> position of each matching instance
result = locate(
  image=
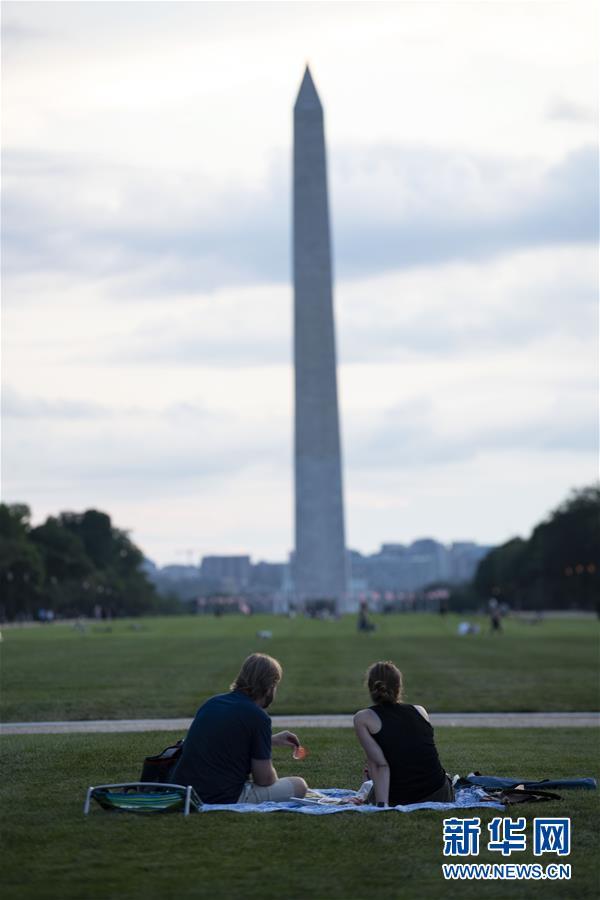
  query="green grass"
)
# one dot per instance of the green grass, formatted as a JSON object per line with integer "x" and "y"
{"x": 167, "y": 667}
{"x": 51, "y": 851}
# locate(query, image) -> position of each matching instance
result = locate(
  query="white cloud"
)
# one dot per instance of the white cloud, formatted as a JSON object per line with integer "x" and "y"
{"x": 446, "y": 373}
{"x": 393, "y": 207}
{"x": 561, "y": 108}
{"x": 186, "y": 84}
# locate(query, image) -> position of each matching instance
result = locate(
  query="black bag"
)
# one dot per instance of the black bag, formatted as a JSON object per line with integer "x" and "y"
{"x": 520, "y": 794}
{"x": 158, "y": 768}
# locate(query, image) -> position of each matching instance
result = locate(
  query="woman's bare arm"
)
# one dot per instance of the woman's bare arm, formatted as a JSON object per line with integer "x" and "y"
{"x": 376, "y": 761}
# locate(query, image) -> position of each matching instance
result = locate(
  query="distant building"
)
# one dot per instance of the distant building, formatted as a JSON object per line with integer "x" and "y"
{"x": 430, "y": 559}
{"x": 397, "y": 567}
{"x": 231, "y": 573}
{"x": 393, "y": 550}
{"x": 465, "y": 556}
{"x": 384, "y": 576}
{"x": 389, "y": 569}
{"x": 176, "y": 572}
{"x": 265, "y": 576}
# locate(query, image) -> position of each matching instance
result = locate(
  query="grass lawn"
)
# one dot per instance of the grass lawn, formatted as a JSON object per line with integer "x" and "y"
{"x": 51, "y": 851}
{"x": 167, "y": 667}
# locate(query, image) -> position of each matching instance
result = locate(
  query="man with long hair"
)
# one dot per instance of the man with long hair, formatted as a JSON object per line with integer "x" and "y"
{"x": 230, "y": 740}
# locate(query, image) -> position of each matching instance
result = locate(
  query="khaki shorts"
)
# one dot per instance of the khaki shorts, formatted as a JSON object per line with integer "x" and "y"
{"x": 282, "y": 789}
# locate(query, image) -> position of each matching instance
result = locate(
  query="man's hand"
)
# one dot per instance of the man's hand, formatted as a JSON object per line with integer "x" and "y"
{"x": 285, "y": 739}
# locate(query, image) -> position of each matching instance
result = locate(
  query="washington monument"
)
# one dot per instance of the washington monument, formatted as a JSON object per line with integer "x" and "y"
{"x": 319, "y": 570}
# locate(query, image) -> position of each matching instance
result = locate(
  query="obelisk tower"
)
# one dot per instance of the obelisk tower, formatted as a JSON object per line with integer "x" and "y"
{"x": 319, "y": 569}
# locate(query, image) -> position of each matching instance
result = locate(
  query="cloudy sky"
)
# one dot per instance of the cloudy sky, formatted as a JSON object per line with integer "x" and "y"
{"x": 147, "y": 303}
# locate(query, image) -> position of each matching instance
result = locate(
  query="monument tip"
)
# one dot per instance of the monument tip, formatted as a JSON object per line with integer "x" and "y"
{"x": 307, "y": 95}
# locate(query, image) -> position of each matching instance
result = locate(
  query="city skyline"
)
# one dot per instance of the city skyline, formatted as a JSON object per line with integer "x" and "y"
{"x": 393, "y": 570}
{"x": 194, "y": 559}
{"x": 147, "y": 308}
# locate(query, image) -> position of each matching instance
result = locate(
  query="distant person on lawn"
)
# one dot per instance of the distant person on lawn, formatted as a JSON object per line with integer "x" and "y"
{"x": 363, "y": 623}
{"x": 230, "y": 739}
{"x": 495, "y": 615}
{"x": 402, "y": 759}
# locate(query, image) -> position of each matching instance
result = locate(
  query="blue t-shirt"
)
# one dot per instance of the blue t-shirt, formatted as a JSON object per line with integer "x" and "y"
{"x": 228, "y": 731}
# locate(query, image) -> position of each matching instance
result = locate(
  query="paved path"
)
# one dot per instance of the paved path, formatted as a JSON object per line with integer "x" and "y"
{"x": 454, "y": 720}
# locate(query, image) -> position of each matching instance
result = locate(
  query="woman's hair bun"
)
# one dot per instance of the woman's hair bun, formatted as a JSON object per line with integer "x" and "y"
{"x": 384, "y": 681}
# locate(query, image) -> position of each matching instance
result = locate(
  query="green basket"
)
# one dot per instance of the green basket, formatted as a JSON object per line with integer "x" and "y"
{"x": 144, "y": 797}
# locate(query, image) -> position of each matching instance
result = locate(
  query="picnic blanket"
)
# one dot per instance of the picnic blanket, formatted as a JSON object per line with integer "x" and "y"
{"x": 326, "y": 801}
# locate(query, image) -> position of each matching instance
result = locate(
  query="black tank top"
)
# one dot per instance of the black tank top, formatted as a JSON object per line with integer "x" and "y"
{"x": 406, "y": 739}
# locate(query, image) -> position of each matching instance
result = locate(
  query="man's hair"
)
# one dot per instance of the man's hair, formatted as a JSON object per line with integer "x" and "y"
{"x": 384, "y": 681}
{"x": 258, "y": 677}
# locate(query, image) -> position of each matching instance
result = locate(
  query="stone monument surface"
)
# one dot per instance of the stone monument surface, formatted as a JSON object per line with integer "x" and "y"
{"x": 319, "y": 565}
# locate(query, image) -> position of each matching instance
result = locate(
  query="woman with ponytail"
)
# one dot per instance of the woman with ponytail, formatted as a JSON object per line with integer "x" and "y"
{"x": 397, "y": 738}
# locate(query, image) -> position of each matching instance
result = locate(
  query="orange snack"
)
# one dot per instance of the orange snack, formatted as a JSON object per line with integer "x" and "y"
{"x": 299, "y": 753}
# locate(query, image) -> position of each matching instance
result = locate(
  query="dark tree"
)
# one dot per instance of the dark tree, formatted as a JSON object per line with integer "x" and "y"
{"x": 63, "y": 552}
{"x": 500, "y": 573}
{"x": 71, "y": 564}
{"x": 558, "y": 567}
{"x": 567, "y": 547}
{"x": 21, "y": 566}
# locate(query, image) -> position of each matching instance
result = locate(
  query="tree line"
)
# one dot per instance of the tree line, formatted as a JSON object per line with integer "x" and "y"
{"x": 74, "y": 564}
{"x": 558, "y": 567}
{"x": 80, "y": 564}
